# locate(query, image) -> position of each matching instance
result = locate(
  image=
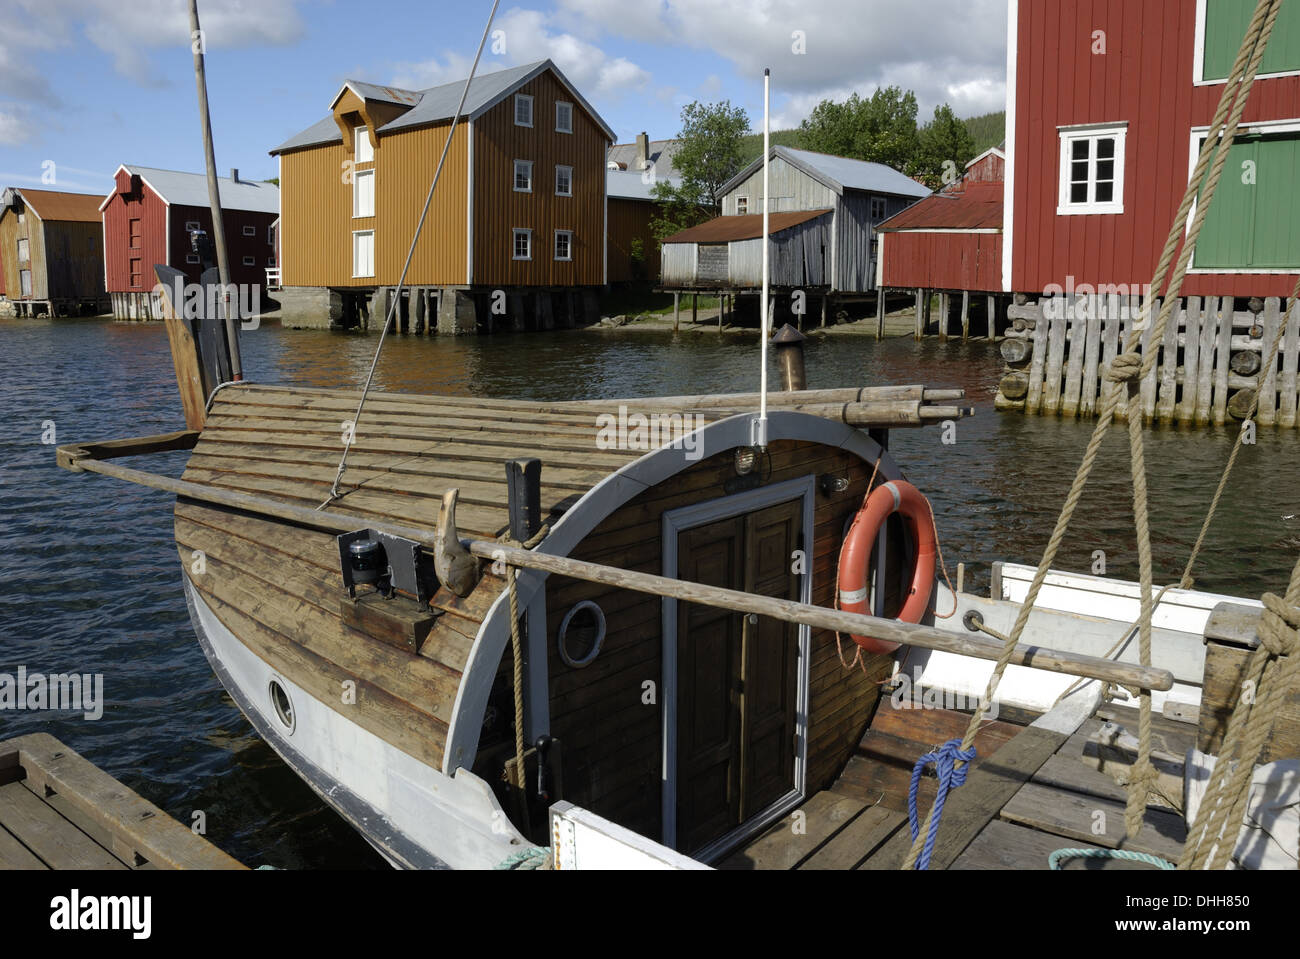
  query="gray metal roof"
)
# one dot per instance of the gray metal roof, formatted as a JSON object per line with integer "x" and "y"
{"x": 191, "y": 189}
{"x": 839, "y": 173}
{"x": 624, "y": 184}
{"x": 660, "y": 152}
{"x": 438, "y": 104}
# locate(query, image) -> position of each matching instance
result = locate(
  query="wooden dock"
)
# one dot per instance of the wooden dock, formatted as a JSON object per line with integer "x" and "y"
{"x": 1029, "y": 794}
{"x": 59, "y": 811}
{"x": 1209, "y": 366}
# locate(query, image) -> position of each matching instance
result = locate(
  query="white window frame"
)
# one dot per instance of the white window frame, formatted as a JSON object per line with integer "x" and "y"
{"x": 250, "y": 261}
{"x": 1193, "y": 154}
{"x": 192, "y": 258}
{"x": 361, "y": 135}
{"x": 1070, "y": 135}
{"x": 514, "y": 177}
{"x": 555, "y": 251}
{"x": 558, "y": 191}
{"x": 1198, "y": 56}
{"x": 24, "y": 250}
{"x": 514, "y": 241}
{"x": 357, "y": 177}
{"x": 355, "y": 234}
{"x": 739, "y": 201}
{"x": 521, "y": 98}
{"x": 558, "y": 127}
{"x": 250, "y": 230}
{"x": 191, "y": 226}
{"x": 25, "y": 283}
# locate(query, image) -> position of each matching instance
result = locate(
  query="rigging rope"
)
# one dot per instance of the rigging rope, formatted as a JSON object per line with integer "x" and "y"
{"x": 349, "y": 436}
{"x": 1130, "y": 367}
{"x": 516, "y": 651}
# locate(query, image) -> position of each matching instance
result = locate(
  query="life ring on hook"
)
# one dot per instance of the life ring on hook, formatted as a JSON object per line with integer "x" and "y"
{"x": 896, "y": 496}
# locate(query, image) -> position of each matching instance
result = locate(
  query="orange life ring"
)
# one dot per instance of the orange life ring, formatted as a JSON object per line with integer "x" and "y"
{"x": 896, "y": 496}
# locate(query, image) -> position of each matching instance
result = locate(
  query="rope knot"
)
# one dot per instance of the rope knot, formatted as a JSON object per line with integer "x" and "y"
{"x": 1279, "y": 627}
{"x": 950, "y": 776}
{"x": 1125, "y": 368}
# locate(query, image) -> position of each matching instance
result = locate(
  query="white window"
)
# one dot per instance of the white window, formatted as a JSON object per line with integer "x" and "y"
{"x": 742, "y": 205}
{"x": 523, "y": 244}
{"x": 25, "y": 282}
{"x": 250, "y": 261}
{"x": 363, "y": 253}
{"x": 523, "y": 176}
{"x": 363, "y": 150}
{"x": 363, "y": 193}
{"x": 250, "y": 231}
{"x": 564, "y": 181}
{"x": 523, "y": 110}
{"x": 24, "y": 254}
{"x": 191, "y": 258}
{"x": 877, "y": 209}
{"x": 191, "y": 226}
{"x": 1092, "y": 170}
{"x": 564, "y": 244}
{"x": 563, "y": 117}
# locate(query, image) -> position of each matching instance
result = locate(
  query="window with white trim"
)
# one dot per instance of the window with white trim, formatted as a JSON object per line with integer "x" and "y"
{"x": 24, "y": 251}
{"x": 742, "y": 205}
{"x": 563, "y": 180}
{"x": 523, "y": 110}
{"x": 563, "y": 117}
{"x": 564, "y": 244}
{"x": 1092, "y": 170}
{"x": 192, "y": 258}
{"x": 363, "y": 193}
{"x": 191, "y": 226}
{"x": 523, "y": 176}
{"x": 1221, "y": 25}
{"x": 250, "y": 231}
{"x": 363, "y": 151}
{"x": 363, "y": 253}
{"x": 250, "y": 261}
{"x": 523, "y": 244}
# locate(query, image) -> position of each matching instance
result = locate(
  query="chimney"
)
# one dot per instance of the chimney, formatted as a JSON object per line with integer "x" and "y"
{"x": 642, "y": 151}
{"x": 234, "y": 174}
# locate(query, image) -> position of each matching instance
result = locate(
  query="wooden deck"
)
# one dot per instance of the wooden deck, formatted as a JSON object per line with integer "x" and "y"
{"x": 59, "y": 811}
{"x": 1027, "y": 796}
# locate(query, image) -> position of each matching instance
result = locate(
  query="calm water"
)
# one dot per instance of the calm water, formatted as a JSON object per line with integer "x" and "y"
{"x": 91, "y": 579}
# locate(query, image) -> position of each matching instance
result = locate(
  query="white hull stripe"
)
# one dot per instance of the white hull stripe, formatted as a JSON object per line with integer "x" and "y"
{"x": 850, "y": 596}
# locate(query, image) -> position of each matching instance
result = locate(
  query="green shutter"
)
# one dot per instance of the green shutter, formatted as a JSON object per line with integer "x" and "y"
{"x": 1254, "y": 222}
{"x": 1225, "y": 26}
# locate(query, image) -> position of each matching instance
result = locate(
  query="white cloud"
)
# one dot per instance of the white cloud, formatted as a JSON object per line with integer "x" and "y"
{"x": 13, "y": 127}
{"x": 529, "y": 35}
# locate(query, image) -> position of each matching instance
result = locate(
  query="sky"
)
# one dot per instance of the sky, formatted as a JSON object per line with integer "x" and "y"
{"x": 86, "y": 85}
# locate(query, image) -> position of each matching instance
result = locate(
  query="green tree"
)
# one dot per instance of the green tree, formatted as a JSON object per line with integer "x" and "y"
{"x": 945, "y": 147}
{"x": 881, "y": 128}
{"x": 709, "y": 153}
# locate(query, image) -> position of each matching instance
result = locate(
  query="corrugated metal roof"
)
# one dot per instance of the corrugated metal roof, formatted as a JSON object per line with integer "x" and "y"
{"x": 373, "y": 91}
{"x": 438, "y": 104}
{"x": 191, "y": 189}
{"x": 978, "y": 207}
{"x": 49, "y": 205}
{"x": 660, "y": 153}
{"x": 724, "y": 229}
{"x": 839, "y": 173}
{"x": 627, "y": 185}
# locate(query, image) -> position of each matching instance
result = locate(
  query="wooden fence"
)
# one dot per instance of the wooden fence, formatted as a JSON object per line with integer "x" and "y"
{"x": 1209, "y": 368}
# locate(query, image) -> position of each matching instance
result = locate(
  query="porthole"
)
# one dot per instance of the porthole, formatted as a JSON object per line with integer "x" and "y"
{"x": 282, "y": 704}
{"x": 582, "y": 631}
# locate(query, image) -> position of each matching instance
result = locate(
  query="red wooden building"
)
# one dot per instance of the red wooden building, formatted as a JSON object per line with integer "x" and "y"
{"x": 1107, "y": 107}
{"x": 148, "y": 219}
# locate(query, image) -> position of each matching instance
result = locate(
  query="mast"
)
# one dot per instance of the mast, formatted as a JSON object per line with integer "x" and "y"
{"x": 214, "y": 194}
{"x": 760, "y": 439}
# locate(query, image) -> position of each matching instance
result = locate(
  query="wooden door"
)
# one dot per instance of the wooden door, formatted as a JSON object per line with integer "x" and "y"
{"x": 737, "y": 679}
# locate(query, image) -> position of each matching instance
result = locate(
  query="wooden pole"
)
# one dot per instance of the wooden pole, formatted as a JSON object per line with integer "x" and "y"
{"x": 965, "y": 314}
{"x": 992, "y": 307}
{"x": 945, "y": 305}
{"x": 214, "y": 194}
{"x": 920, "y": 316}
{"x": 880, "y": 313}
{"x": 677, "y": 311}
{"x": 695, "y": 308}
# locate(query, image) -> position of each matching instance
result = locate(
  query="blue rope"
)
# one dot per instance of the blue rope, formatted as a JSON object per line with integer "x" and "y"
{"x": 534, "y": 857}
{"x": 1054, "y": 860}
{"x": 950, "y": 777}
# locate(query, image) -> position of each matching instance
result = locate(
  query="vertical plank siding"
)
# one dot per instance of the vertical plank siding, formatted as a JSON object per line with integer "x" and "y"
{"x": 1074, "y": 343}
{"x": 630, "y": 220}
{"x": 499, "y": 209}
{"x": 126, "y": 205}
{"x": 952, "y": 261}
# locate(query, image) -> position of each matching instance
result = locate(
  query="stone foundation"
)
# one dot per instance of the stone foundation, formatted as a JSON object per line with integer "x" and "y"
{"x": 310, "y": 308}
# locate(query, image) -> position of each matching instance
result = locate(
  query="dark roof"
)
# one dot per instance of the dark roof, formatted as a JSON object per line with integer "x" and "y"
{"x": 724, "y": 229}
{"x": 977, "y": 207}
{"x": 437, "y": 104}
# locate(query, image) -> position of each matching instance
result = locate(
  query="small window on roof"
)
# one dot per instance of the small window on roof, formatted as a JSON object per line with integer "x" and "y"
{"x": 523, "y": 110}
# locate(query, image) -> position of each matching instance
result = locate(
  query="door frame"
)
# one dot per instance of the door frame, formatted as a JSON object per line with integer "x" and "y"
{"x": 676, "y": 522}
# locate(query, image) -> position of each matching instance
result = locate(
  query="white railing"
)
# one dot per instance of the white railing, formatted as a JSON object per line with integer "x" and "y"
{"x": 273, "y": 278}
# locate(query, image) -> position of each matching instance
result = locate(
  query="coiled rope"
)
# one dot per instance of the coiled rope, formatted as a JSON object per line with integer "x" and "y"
{"x": 1061, "y": 855}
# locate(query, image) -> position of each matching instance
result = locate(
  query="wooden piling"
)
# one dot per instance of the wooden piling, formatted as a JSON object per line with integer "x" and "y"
{"x": 965, "y": 314}
{"x": 1079, "y": 311}
{"x": 695, "y": 308}
{"x": 1034, "y": 399}
{"x": 880, "y": 313}
{"x": 992, "y": 308}
{"x": 1290, "y": 360}
{"x": 1223, "y": 355}
{"x": 945, "y": 306}
{"x": 1168, "y": 362}
{"x": 1091, "y": 352}
{"x": 1272, "y": 321}
{"x": 920, "y": 316}
{"x": 1191, "y": 361}
{"x": 677, "y": 311}
{"x": 1055, "y": 357}
{"x": 1205, "y": 360}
